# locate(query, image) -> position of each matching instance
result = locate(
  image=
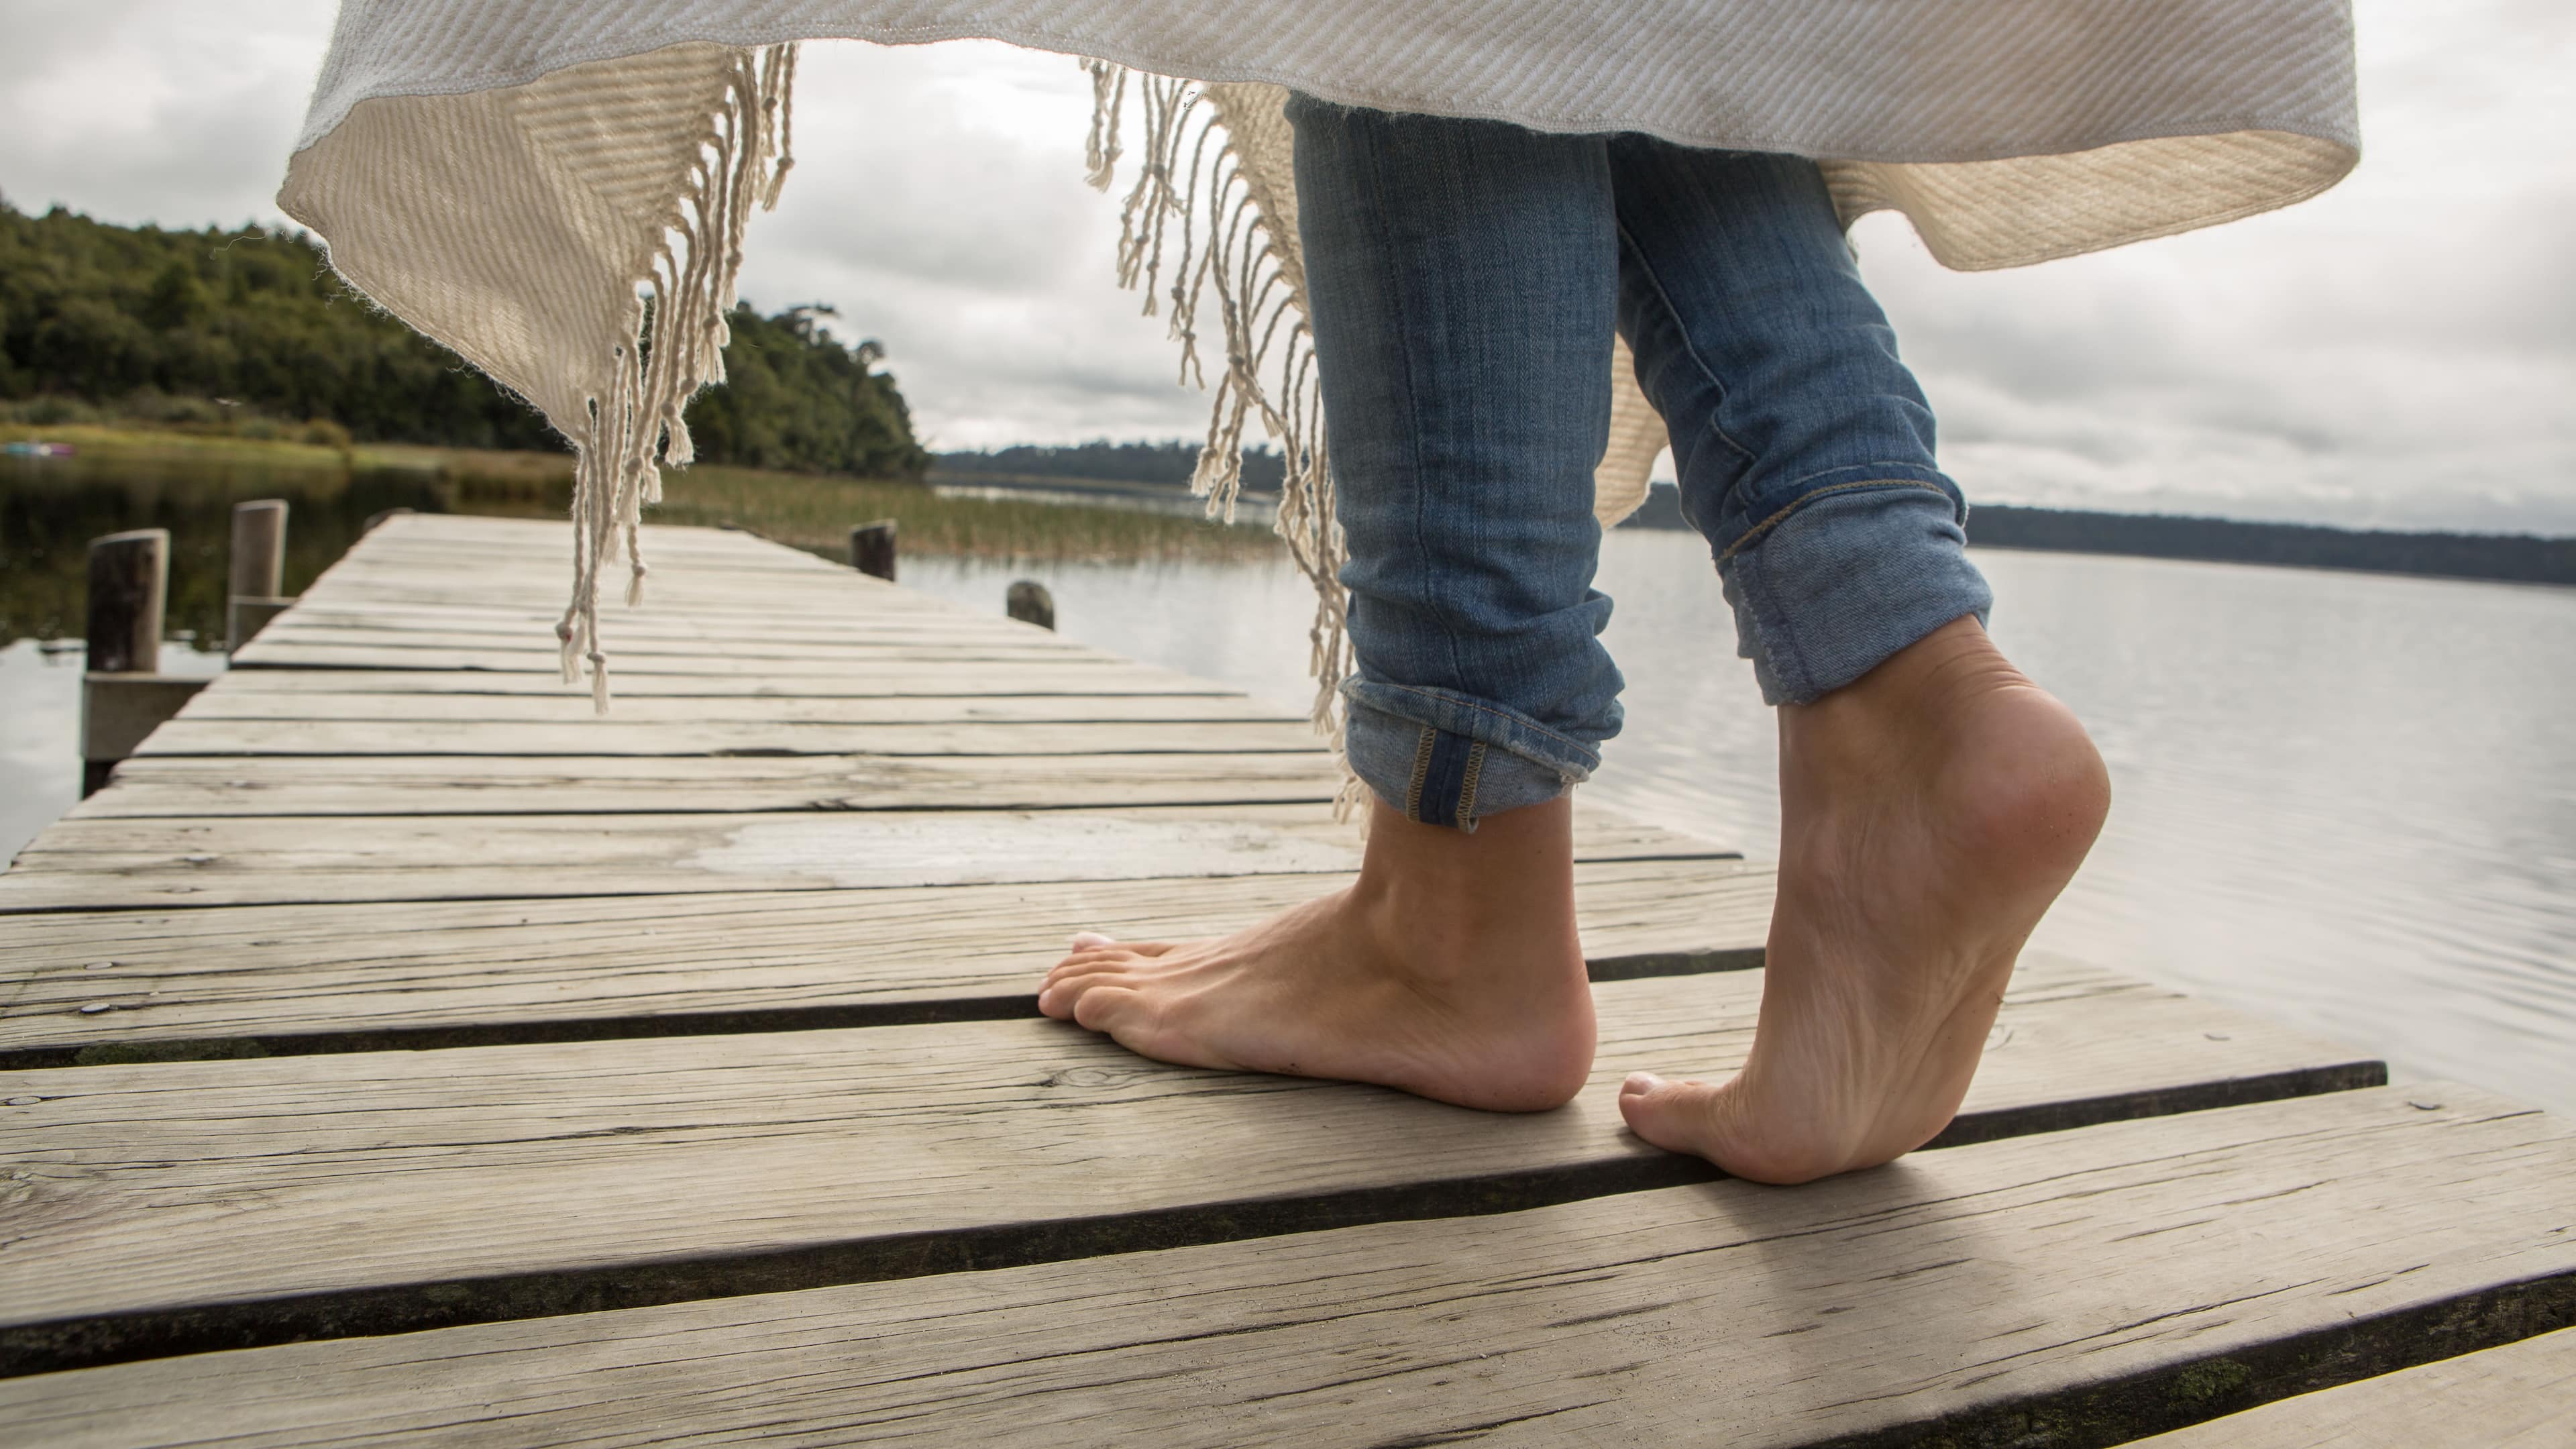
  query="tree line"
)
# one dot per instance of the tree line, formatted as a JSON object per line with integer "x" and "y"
{"x": 1102, "y": 461}
{"x": 2510, "y": 557}
{"x": 214, "y": 328}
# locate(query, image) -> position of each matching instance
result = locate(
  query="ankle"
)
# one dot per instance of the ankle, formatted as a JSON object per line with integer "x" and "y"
{"x": 1445, "y": 904}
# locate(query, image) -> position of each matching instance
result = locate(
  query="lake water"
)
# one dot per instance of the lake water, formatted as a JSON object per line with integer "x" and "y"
{"x": 2345, "y": 802}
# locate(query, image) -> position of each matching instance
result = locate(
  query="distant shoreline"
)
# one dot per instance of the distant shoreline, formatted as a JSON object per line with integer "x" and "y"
{"x": 2516, "y": 558}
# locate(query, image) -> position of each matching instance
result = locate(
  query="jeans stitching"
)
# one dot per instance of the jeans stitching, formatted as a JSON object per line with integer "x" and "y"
{"x": 1510, "y": 719}
{"x": 1421, "y": 773}
{"x": 1414, "y": 430}
{"x": 1754, "y": 534}
{"x": 1467, "y": 785}
{"x": 1690, "y": 350}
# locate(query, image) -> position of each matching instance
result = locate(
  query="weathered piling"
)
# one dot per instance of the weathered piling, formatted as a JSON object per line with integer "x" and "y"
{"x": 124, "y": 696}
{"x": 1029, "y": 602}
{"x": 258, "y": 583}
{"x": 129, "y": 582}
{"x": 872, "y": 549}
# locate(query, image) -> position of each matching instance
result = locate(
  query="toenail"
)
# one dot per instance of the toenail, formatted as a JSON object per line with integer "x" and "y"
{"x": 1640, "y": 1082}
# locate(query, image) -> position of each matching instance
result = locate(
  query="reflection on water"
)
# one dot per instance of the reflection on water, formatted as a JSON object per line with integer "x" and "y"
{"x": 2346, "y": 802}
{"x": 50, "y": 508}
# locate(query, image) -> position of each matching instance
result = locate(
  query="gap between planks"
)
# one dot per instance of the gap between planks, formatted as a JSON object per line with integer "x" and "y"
{"x": 191, "y": 1206}
{"x": 2070, "y": 1292}
{"x": 397, "y": 785}
{"x": 105, "y": 863}
{"x": 255, "y": 980}
{"x": 2519, "y": 1396}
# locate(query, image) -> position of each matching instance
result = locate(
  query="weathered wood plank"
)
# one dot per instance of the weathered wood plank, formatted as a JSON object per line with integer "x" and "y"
{"x": 2519, "y": 1396}
{"x": 856, "y": 664}
{"x": 346, "y": 739}
{"x": 307, "y": 978}
{"x": 669, "y": 650}
{"x": 180, "y": 786}
{"x": 424, "y": 623}
{"x": 251, "y": 704}
{"x": 90, "y": 862}
{"x": 683, "y": 593}
{"x": 912, "y": 679}
{"x": 154, "y": 1203}
{"x": 706, "y": 597}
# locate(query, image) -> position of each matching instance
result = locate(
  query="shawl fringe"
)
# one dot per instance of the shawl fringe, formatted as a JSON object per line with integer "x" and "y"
{"x": 1196, "y": 204}
{"x": 675, "y": 338}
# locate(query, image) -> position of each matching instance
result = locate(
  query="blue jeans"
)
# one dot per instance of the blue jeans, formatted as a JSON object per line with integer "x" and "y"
{"x": 1464, "y": 279}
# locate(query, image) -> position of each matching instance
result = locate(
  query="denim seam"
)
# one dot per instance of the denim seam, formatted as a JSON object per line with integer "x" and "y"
{"x": 1903, "y": 472}
{"x": 1467, "y": 785}
{"x": 1754, "y": 534}
{"x": 1421, "y": 773}
{"x": 1690, "y": 349}
{"x": 1414, "y": 337}
{"x": 1511, "y": 719}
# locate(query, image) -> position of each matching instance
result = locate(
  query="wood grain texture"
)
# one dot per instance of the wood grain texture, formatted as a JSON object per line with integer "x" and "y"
{"x": 854, "y": 664}
{"x": 660, "y": 648}
{"x": 612, "y": 736}
{"x": 149, "y": 1189}
{"x": 302, "y": 978}
{"x": 421, "y": 622}
{"x": 179, "y": 786}
{"x": 2054, "y": 1292}
{"x": 927, "y": 680}
{"x": 99, "y": 863}
{"x": 2519, "y": 1396}
{"x": 253, "y": 704}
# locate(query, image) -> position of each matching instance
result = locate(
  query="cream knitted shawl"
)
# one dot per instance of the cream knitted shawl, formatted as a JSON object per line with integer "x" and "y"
{"x": 530, "y": 181}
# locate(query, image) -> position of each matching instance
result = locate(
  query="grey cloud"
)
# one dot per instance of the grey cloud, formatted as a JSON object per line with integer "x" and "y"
{"x": 2401, "y": 350}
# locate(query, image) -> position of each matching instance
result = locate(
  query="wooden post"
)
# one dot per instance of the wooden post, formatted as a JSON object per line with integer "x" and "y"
{"x": 124, "y": 696}
{"x": 1029, "y": 602}
{"x": 258, "y": 570}
{"x": 259, "y": 548}
{"x": 129, "y": 578}
{"x": 872, "y": 549}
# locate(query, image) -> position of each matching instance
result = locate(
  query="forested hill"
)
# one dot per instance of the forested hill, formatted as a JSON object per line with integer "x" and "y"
{"x": 206, "y": 327}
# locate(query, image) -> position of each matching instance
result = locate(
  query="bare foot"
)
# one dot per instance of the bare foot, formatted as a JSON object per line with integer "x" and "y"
{"x": 1930, "y": 812}
{"x": 1450, "y": 969}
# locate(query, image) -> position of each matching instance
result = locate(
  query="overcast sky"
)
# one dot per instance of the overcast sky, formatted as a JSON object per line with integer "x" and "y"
{"x": 2399, "y": 353}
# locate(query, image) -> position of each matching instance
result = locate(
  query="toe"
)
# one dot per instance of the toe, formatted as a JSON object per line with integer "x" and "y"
{"x": 1071, "y": 977}
{"x": 1675, "y": 1116}
{"x": 1104, "y": 1008}
{"x": 1720, "y": 1123}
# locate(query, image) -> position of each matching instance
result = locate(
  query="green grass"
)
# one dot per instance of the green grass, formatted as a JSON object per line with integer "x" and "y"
{"x": 808, "y": 511}
{"x": 818, "y": 513}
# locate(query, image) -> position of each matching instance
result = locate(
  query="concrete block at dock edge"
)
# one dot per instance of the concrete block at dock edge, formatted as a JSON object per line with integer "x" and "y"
{"x": 119, "y": 710}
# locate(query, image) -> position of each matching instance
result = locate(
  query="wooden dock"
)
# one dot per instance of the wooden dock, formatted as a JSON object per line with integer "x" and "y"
{"x": 395, "y": 1052}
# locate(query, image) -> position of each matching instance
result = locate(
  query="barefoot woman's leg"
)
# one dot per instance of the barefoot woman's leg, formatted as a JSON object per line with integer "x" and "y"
{"x": 1462, "y": 285}
{"x": 1933, "y": 801}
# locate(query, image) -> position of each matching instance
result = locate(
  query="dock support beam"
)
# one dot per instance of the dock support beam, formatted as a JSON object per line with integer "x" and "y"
{"x": 124, "y": 695}
{"x": 1029, "y": 602}
{"x": 872, "y": 549}
{"x": 258, "y": 582}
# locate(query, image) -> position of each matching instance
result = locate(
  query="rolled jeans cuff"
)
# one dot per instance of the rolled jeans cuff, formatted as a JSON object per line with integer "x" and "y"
{"x": 1829, "y": 588}
{"x": 1444, "y": 759}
